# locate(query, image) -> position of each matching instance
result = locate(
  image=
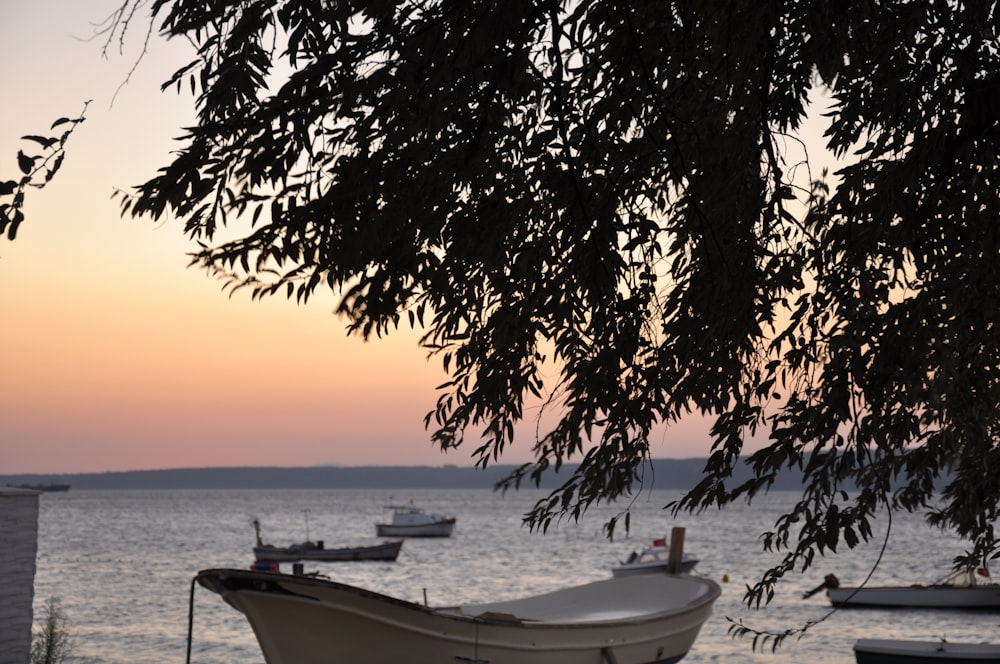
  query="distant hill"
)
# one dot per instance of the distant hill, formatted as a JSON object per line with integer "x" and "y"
{"x": 667, "y": 474}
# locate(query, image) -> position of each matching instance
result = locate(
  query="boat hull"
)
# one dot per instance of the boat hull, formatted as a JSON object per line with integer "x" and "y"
{"x": 441, "y": 528}
{"x": 936, "y": 597}
{"x": 386, "y": 552}
{"x": 306, "y": 620}
{"x": 655, "y": 560}
{"x": 890, "y": 651}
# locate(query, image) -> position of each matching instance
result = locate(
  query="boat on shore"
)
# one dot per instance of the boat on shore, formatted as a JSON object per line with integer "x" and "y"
{"x": 893, "y": 651}
{"x": 305, "y": 619}
{"x": 411, "y": 521}
{"x": 963, "y": 589}
{"x": 652, "y": 560}
{"x": 310, "y": 551}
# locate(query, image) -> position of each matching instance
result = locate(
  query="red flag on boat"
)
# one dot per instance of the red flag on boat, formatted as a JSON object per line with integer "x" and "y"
{"x": 660, "y": 542}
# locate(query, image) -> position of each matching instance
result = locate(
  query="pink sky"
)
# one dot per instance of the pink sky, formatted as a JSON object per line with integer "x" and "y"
{"x": 117, "y": 356}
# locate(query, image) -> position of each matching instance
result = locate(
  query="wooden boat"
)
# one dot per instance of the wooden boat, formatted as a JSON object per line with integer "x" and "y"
{"x": 892, "y": 651}
{"x": 965, "y": 589}
{"x": 410, "y": 521}
{"x": 655, "y": 559}
{"x": 300, "y": 619}
{"x": 317, "y": 551}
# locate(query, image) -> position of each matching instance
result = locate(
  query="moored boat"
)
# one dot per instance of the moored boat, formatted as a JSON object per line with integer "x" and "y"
{"x": 893, "y": 651}
{"x": 317, "y": 552}
{"x": 964, "y": 589}
{"x": 410, "y": 521}
{"x": 297, "y": 619}
{"x": 654, "y": 559}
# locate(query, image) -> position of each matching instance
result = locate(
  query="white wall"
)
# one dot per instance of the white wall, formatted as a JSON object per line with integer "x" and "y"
{"x": 18, "y": 548}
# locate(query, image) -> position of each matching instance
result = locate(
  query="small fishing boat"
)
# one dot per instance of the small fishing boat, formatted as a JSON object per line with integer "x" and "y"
{"x": 892, "y": 651}
{"x": 654, "y": 559}
{"x": 317, "y": 552}
{"x": 410, "y": 521}
{"x": 963, "y": 589}
{"x": 306, "y": 619}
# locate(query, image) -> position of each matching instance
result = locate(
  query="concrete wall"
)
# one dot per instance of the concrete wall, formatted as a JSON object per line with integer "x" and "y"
{"x": 18, "y": 548}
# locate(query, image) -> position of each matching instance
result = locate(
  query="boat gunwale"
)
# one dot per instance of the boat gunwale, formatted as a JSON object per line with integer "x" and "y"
{"x": 853, "y": 591}
{"x": 918, "y": 586}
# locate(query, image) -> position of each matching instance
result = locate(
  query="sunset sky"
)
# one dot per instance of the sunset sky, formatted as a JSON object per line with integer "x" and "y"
{"x": 116, "y": 355}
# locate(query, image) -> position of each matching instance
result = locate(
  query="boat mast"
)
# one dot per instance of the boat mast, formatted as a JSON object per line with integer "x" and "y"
{"x": 256, "y": 527}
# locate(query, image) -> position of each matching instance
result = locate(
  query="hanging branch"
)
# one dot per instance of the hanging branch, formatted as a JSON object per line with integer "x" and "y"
{"x": 37, "y": 170}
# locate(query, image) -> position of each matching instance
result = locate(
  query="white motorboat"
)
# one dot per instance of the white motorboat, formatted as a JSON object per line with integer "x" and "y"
{"x": 653, "y": 559}
{"x": 965, "y": 589}
{"x": 299, "y": 619}
{"x": 892, "y": 651}
{"x": 410, "y": 521}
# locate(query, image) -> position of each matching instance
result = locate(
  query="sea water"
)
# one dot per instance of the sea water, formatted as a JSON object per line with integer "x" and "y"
{"x": 121, "y": 565}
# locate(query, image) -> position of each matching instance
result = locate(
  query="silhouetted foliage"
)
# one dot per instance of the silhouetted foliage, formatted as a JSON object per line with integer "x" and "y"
{"x": 600, "y": 204}
{"x": 36, "y": 170}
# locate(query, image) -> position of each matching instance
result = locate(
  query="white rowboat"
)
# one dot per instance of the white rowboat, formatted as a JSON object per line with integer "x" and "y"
{"x": 928, "y": 597}
{"x": 961, "y": 590}
{"x": 646, "y": 619}
{"x": 891, "y": 651}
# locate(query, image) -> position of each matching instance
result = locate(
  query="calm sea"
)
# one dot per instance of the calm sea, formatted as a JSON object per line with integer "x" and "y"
{"x": 121, "y": 565}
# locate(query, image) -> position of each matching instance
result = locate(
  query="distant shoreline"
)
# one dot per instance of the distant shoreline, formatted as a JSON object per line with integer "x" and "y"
{"x": 680, "y": 474}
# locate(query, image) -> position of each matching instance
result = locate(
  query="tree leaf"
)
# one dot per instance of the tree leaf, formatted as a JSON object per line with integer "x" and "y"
{"x": 44, "y": 141}
{"x": 14, "y": 221}
{"x": 25, "y": 163}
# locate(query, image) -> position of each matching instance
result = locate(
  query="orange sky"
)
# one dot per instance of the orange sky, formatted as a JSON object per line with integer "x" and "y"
{"x": 116, "y": 356}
